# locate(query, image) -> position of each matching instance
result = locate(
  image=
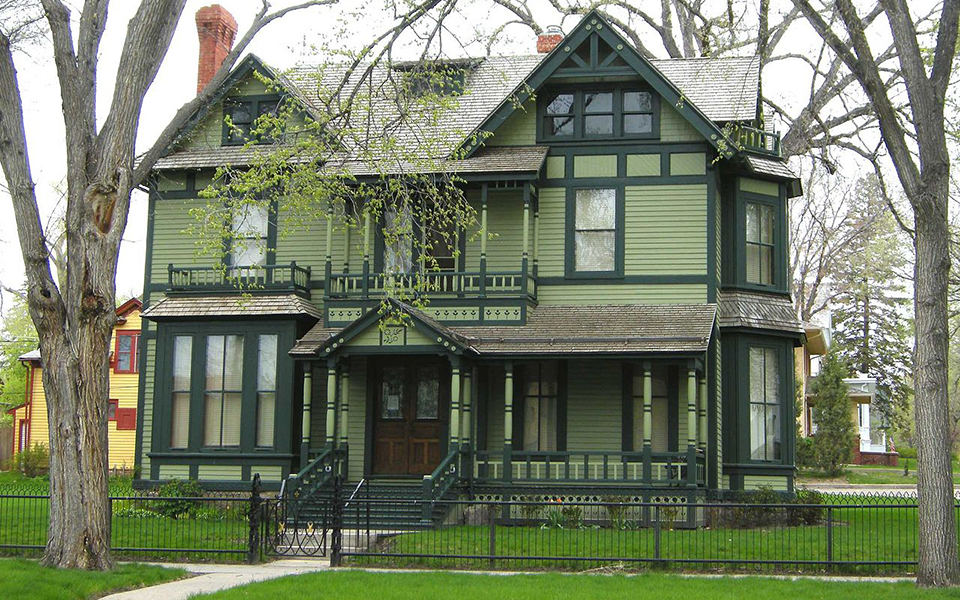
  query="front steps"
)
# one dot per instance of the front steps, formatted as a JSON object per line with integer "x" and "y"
{"x": 393, "y": 506}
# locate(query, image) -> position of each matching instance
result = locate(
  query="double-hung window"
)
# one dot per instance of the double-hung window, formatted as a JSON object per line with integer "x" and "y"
{"x": 765, "y": 425}
{"x": 598, "y": 113}
{"x": 250, "y": 227}
{"x": 398, "y": 240}
{"x": 540, "y": 407}
{"x": 595, "y": 230}
{"x": 760, "y": 243}
{"x": 127, "y": 355}
{"x": 223, "y": 391}
{"x": 266, "y": 389}
{"x": 180, "y": 392}
{"x": 637, "y": 113}
{"x": 611, "y": 112}
{"x": 559, "y": 116}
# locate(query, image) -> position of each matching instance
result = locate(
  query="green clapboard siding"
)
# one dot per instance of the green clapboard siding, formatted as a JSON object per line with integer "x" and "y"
{"x": 318, "y": 409}
{"x": 505, "y": 223}
{"x": 688, "y": 163}
{"x": 174, "y": 471}
{"x": 754, "y": 482}
{"x": 552, "y": 217}
{"x": 599, "y": 165}
{"x": 302, "y": 237}
{"x": 666, "y": 230}
{"x": 495, "y": 408}
{"x": 767, "y": 188}
{"x": 594, "y": 405}
{"x": 175, "y": 181}
{"x": 220, "y": 472}
{"x": 674, "y": 127}
{"x": 556, "y": 167}
{"x": 267, "y": 472}
{"x": 208, "y": 133}
{"x": 719, "y": 409}
{"x": 668, "y": 293}
{"x": 170, "y": 243}
{"x": 357, "y": 428}
{"x": 643, "y": 165}
{"x": 146, "y": 419}
{"x": 520, "y": 129}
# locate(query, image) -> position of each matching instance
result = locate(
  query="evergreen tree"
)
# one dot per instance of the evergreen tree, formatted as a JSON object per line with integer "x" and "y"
{"x": 872, "y": 306}
{"x": 832, "y": 412}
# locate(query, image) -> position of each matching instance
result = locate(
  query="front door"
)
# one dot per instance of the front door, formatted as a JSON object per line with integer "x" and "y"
{"x": 409, "y": 403}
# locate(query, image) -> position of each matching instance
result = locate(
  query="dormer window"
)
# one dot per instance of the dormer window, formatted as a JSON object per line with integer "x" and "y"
{"x": 244, "y": 112}
{"x": 607, "y": 112}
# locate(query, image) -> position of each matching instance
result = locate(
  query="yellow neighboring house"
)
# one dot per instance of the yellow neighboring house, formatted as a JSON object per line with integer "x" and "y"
{"x": 30, "y": 419}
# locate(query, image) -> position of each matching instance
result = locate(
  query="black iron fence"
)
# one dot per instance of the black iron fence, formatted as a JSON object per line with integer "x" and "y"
{"x": 145, "y": 525}
{"x": 861, "y": 534}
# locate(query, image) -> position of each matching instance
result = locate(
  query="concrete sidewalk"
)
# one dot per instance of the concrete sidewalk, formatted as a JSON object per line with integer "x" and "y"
{"x": 212, "y": 578}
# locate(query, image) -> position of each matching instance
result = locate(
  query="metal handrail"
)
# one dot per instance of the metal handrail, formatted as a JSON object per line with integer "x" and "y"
{"x": 354, "y": 494}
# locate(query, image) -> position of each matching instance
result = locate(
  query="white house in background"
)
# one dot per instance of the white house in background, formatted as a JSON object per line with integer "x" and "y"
{"x": 872, "y": 446}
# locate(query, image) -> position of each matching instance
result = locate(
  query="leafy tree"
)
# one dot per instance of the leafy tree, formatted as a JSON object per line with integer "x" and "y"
{"x": 835, "y": 437}
{"x": 17, "y": 337}
{"x": 872, "y": 329}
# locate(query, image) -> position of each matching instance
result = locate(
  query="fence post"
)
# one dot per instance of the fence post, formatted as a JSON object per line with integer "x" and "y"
{"x": 656, "y": 532}
{"x": 493, "y": 534}
{"x": 830, "y": 535}
{"x": 336, "y": 541}
{"x": 254, "y": 517}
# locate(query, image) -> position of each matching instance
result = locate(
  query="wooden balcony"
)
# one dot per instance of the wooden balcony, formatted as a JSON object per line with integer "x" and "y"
{"x": 757, "y": 140}
{"x": 254, "y": 278}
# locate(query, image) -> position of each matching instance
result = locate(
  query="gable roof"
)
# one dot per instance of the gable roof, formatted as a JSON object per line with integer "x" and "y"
{"x": 707, "y": 91}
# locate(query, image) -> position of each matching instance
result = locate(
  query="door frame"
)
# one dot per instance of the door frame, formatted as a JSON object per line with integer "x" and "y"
{"x": 374, "y": 365}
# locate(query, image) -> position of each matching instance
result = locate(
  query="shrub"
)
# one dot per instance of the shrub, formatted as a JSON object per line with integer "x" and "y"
{"x": 616, "y": 511}
{"x": 812, "y": 513}
{"x": 171, "y": 505}
{"x": 745, "y": 517}
{"x": 833, "y": 443}
{"x": 33, "y": 462}
{"x": 805, "y": 453}
{"x": 573, "y": 515}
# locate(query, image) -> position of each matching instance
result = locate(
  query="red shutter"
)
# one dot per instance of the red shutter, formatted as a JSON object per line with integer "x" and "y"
{"x": 126, "y": 418}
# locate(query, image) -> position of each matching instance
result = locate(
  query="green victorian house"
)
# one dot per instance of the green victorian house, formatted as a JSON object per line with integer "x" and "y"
{"x": 628, "y": 330}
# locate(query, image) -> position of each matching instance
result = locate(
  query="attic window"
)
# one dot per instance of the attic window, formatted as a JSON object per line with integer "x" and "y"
{"x": 244, "y": 112}
{"x": 445, "y": 78}
{"x": 601, "y": 112}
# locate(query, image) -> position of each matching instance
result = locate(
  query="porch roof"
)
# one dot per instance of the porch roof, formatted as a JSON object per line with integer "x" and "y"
{"x": 562, "y": 330}
{"x": 259, "y": 305}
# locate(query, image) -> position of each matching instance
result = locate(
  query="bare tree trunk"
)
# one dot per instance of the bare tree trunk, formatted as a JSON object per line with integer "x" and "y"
{"x": 937, "y": 551}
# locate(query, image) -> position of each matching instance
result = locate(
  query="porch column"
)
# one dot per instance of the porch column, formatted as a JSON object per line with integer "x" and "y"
{"x": 305, "y": 426}
{"x": 647, "y": 422}
{"x": 328, "y": 264}
{"x": 331, "y": 402}
{"x": 702, "y": 410}
{"x": 692, "y": 426}
{"x": 454, "y": 403}
{"x": 346, "y": 249}
{"x": 536, "y": 238}
{"x": 483, "y": 239}
{"x": 366, "y": 253}
{"x": 524, "y": 257}
{"x": 344, "y": 403}
{"x": 466, "y": 428}
{"x": 508, "y": 422}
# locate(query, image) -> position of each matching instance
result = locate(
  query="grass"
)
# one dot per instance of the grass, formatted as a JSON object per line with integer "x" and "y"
{"x": 396, "y": 586}
{"x": 868, "y": 534}
{"x": 137, "y": 532}
{"x": 20, "y": 578}
{"x": 869, "y": 475}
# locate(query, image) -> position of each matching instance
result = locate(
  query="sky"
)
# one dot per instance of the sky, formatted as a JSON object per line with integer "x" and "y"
{"x": 282, "y": 44}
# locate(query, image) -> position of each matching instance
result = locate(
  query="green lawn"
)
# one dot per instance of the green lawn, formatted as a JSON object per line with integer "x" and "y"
{"x": 858, "y": 535}
{"x": 23, "y": 521}
{"x": 21, "y": 578}
{"x": 390, "y": 586}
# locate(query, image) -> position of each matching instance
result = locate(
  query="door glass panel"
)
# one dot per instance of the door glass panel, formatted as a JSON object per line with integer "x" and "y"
{"x": 391, "y": 396}
{"x": 428, "y": 393}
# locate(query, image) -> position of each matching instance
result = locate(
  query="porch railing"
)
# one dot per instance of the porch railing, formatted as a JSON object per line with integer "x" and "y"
{"x": 757, "y": 140}
{"x": 665, "y": 468}
{"x": 437, "y": 483}
{"x": 312, "y": 478}
{"x": 453, "y": 284}
{"x": 246, "y": 278}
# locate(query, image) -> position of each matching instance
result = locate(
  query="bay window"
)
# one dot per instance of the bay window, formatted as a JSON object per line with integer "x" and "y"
{"x": 180, "y": 396}
{"x": 223, "y": 391}
{"x": 760, "y": 243}
{"x": 765, "y": 420}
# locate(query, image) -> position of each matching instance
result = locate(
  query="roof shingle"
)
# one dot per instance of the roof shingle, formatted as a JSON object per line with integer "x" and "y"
{"x": 256, "y": 305}
{"x": 738, "y": 308}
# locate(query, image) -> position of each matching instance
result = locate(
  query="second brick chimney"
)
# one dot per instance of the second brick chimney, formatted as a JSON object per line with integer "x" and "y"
{"x": 549, "y": 39}
{"x": 216, "y": 28}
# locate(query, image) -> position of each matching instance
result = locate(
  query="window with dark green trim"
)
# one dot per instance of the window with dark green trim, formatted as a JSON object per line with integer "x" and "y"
{"x": 540, "y": 407}
{"x": 266, "y": 389}
{"x": 223, "y": 391}
{"x": 243, "y": 113}
{"x": 595, "y": 230}
{"x": 765, "y": 389}
{"x": 761, "y": 248}
{"x": 180, "y": 391}
{"x": 602, "y": 112}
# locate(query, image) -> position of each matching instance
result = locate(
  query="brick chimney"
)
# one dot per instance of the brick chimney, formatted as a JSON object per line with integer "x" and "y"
{"x": 216, "y": 29}
{"x": 549, "y": 39}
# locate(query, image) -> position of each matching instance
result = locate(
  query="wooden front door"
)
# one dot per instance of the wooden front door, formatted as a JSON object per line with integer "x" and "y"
{"x": 409, "y": 411}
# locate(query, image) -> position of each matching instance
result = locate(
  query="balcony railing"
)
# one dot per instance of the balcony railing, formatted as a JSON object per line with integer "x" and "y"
{"x": 241, "y": 278}
{"x": 757, "y": 140}
{"x": 664, "y": 468}
{"x": 436, "y": 284}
